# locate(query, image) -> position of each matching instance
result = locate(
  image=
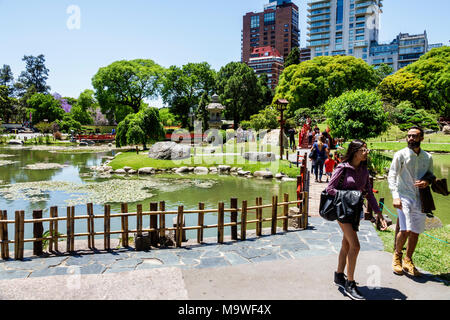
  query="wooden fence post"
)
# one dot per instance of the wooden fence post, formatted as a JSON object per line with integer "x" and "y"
{"x": 51, "y": 230}
{"x": 258, "y": 228}
{"x": 259, "y": 217}
{"x": 68, "y": 225}
{"x": 162, "y": 219}
{"x": 107, "y": 227}
{"x": 139, "y": 220}
{"x": 201, "y": 221}
{"x": 4, "y": 235}
{"x": 305, "y": 210}
{"x": 124, "y": 223}
{"x": 274, "y": 214}
{"x": 220, "y": 222}
{"x": 301, "y": 206}
{"x": 285, "y": 212}
{"x": 244, "y": 220}
{"x": 55, "y": 229}
{"x": 91, "y": 237}
{"x": 38, "y": 231}
{"x": 233, "y": 218}
{"x": 179, "y": 231}
{"x": 72, "y": 228}
{"x": 154, "y": 224}
{"x": 18, "y": 241}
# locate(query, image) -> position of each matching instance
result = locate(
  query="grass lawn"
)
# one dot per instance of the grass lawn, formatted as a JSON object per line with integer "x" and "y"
{"x": 141, "y": 160}
{"x": 395, "y": 146}
{"x": 430, "y": 255}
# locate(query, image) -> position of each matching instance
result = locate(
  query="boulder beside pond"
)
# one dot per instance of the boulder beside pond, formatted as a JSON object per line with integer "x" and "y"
{"x": 169, "y": 151}
{"x": 259, "y": 156}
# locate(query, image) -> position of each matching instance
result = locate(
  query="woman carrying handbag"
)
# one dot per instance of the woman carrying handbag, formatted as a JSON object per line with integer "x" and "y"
{"x": 352, "y": 174}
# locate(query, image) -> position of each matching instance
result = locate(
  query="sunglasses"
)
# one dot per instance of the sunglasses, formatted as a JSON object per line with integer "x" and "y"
{"x": 364, "y": 150}
{"x": 414, "y": 136}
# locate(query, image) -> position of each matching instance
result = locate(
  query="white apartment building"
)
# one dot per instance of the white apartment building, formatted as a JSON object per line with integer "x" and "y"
{"x": 343, "y": 27}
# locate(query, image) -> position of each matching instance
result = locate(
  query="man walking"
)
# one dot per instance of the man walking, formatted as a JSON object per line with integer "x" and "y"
{"x": 405, "y": 179}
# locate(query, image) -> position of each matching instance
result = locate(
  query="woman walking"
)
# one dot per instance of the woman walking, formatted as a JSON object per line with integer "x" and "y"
{"x": 355, "y": 177}
{"x": 322, "y": 154}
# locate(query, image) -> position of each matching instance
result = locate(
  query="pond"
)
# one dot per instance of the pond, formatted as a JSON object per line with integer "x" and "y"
{"x": 25, "y": 185}
{"x": 441, "y": 168}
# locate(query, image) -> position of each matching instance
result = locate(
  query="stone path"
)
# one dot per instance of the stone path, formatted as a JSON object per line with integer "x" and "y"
{"x": 321, "y": 238}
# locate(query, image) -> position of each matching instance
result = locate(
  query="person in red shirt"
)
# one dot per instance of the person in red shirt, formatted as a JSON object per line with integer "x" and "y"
{"x": 329, "y": 166}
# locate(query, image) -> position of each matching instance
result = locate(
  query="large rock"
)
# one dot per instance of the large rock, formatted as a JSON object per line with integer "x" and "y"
{"x": 446, "y": 129}
{"x": 146, "y": 170}
{"x": 273, "y": 138}
{"x": 16, "y": 142}
{"x": 259, "y": 156}
{"x": 169, "y": 151}
{"x": 223, "y": 168}
{"x": 263, "y": 174}
{"x": 201, "y": 170}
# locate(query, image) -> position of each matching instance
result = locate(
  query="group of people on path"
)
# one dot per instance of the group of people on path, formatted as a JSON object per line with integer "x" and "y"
{"x": 405, "y": 180}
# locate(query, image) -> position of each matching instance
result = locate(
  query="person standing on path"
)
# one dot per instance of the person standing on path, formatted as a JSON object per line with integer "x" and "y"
{"x": 356, "y": 177}
{"x": 405, "y": 179}
{"x": 330, "y": 163}
{"x": 322, "y": 151}
{"x": 292, "y": 133}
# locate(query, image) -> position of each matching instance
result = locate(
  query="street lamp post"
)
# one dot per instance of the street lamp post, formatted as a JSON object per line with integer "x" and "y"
{"x": 281, "y": 106}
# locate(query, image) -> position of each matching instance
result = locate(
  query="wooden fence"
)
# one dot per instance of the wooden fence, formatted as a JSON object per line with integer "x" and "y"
{"x": 156, "y": 230}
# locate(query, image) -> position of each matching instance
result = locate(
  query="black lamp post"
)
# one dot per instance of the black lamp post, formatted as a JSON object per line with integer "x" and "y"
{"x": 281, "y": 106}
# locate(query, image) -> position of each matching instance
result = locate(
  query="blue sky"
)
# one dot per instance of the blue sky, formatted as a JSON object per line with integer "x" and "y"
{"x": 168, "y": 32}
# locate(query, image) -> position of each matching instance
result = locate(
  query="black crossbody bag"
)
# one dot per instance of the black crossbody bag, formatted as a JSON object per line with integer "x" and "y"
{"x": 328, "y": 208}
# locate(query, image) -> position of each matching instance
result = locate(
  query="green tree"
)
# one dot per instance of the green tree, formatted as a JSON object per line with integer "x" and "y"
{"x": 240, "y": 91}
{"x": 425, "y": 82}
{"x": 35, "y": 74}
{"x": 45, "y": 106}
{"x": 356, "y": 115}
{"x": 184, "y": 87}
{"x": 293, "y": 57}
{"x": 383, "y": 70}
{"x": 140, "y": 128}
{"x": 403, "y": 85}
{"x": 311, "y": 83}
{"x": 84, "y": 107}
{"x": 125, "y": 84}
{"x": 265, "y": 119}
{"x": 7, "y": 103}
{"x": 407, "y": 115}
{"x": 7, "y": 78}
{"x": 167, "y": 118}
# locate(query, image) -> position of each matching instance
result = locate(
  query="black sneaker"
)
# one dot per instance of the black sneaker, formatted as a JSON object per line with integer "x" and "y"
{"x": 339, "y": 279}
{"x": 352, "y": 291}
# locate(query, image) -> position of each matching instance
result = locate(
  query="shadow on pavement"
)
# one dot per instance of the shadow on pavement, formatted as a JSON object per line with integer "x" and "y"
{"x": 378, "y": 293}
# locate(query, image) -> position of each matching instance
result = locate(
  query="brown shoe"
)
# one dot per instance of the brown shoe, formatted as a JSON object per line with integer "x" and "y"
{"x": 409, "y": 268}
{"x": 397, "y": 263}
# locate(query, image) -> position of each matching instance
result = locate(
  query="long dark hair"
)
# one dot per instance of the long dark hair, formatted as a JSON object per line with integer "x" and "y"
{"x": 353, "y": 148}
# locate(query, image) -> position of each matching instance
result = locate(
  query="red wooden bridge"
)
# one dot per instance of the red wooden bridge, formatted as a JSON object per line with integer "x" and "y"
{"x": 96, "y": 137}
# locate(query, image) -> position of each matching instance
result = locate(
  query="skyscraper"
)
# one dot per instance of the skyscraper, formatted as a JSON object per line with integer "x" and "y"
{"x": 343, "y": 27}
{"x": 277, "y": 26}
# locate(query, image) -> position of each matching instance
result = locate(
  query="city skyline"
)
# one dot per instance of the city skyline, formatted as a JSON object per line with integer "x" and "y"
{"x": 197, "y": 31}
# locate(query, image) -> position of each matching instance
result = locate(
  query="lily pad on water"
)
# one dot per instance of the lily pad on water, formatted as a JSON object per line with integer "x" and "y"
{"x": 6, "y": 162}
{"x": 44, "y": 166}
{"x": 110, "y": 191}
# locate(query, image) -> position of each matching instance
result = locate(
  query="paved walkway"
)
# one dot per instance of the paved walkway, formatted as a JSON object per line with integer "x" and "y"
{"x": 297, "y": 264}
{"x": 321, "y": 238}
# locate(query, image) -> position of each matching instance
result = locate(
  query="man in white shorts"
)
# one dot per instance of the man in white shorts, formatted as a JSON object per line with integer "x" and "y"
{"x": 407, "y": 169}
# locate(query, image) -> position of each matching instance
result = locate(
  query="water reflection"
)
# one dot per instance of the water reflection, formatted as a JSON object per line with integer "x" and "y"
{"x": 173, "y": 190}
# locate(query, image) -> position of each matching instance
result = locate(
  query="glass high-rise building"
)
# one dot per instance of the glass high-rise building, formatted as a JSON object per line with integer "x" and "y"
{"x": 343, "y": 27}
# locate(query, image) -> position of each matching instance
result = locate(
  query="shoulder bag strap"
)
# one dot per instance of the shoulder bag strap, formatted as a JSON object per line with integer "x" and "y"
{"x": 341, "y": 179}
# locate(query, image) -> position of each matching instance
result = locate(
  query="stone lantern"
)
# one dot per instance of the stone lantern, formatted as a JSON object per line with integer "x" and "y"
{"x": 215, "y": 113}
